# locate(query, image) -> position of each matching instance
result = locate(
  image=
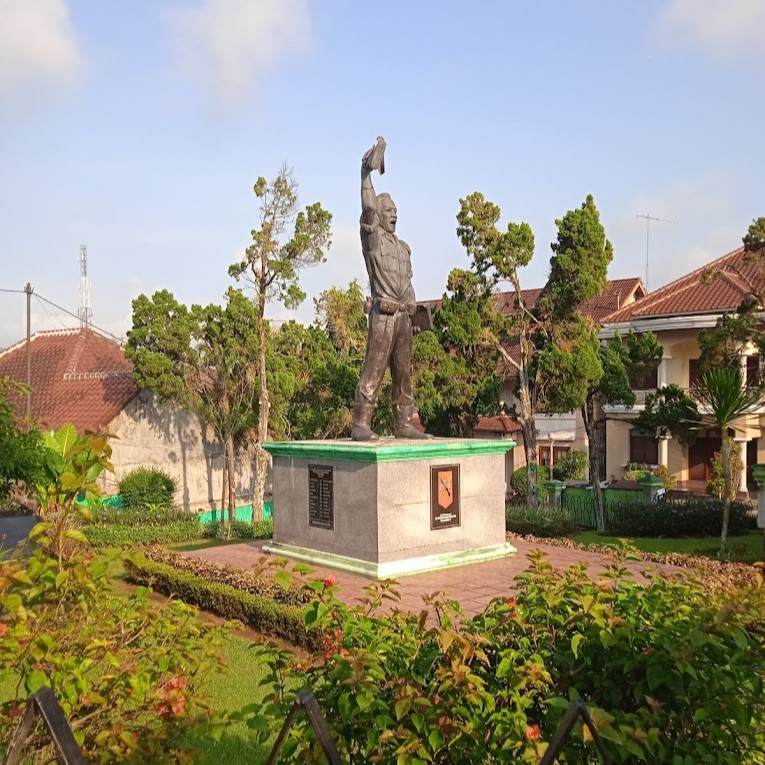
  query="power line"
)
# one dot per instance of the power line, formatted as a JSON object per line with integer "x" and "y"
{"x": 18, "y": 292}
{"x": 120, "y": 340}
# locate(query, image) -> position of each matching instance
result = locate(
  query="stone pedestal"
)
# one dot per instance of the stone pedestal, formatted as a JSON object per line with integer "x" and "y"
{"x": 392, "y": 507}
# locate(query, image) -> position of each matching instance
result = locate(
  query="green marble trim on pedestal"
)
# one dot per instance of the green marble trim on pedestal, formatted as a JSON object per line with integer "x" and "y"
{"x": 389, "y": 450}
{"x": 392, "y": 569}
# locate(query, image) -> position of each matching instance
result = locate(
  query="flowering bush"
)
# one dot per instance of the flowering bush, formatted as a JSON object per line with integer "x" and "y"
{"x": 671, "y": 672}
{"x": 126, "y": 672}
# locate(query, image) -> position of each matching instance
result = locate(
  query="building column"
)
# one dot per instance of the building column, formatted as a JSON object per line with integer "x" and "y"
{"x": 661, "y": 372}
{"x": 664, "y": 451}
{"x": 742, "y": 365}
{"x": 742, "y": 487}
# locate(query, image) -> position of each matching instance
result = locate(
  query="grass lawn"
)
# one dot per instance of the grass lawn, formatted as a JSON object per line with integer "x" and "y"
{"x": 228, "y": 692}
{"x": 744, "y": 549}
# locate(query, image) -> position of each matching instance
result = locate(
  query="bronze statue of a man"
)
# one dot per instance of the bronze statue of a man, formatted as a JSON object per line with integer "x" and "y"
{"x": 389, "y": 338}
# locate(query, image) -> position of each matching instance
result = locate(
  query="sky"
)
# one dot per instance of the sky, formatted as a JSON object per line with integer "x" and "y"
{"x": 138, "y": 129}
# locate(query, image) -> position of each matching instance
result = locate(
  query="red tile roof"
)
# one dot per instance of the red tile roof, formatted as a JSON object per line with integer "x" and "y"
{"x": 615, "y": 294}
{"x": 499, "y": 424}
{"x": 695, "y": 294}
{"x": 78, "y": 376}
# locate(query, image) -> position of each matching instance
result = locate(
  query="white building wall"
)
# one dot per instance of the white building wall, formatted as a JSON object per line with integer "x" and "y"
{"x": 152, "y": 434}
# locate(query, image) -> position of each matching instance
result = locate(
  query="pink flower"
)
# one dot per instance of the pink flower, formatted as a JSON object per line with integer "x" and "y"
{"x": 533, "y": 732}
{"x": 329, "y": 581}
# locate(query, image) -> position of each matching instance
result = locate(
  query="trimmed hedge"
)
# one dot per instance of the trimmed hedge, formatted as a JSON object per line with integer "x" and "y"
{"x": 240, "y": 530}
{"x": 689, "y": 518}
{"x": 518, "y": 482}
{"x": 256, "y": 611}
{"x": 542, "y": 522}
{"x": 119, "y": 535}
{"x": 146, "y": 485}
{"x": 256, "y": 583}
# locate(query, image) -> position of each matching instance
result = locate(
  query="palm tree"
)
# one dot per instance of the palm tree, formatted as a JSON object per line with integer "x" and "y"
{"x": 723, "y": 400}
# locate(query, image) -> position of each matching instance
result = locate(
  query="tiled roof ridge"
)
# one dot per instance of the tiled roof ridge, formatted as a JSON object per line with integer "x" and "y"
{"x": 679, "y": 285}
{"x": 658, "y": 294}
{"x": 53, "y": 333}
{"x": 97, "y": 375}
{"x": 71, "y": 366}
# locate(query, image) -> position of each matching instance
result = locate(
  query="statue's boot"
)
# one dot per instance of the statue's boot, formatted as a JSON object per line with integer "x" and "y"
{"x": 403, "y": 428}
{"x": 362, "y": 420}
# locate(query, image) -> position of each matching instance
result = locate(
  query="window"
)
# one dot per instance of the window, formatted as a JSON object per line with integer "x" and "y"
{"x": 644, "y": 447}
{"x": 753, "y": 371}
{"x": 645, "y": 379}
{"x": 694, "y": 372}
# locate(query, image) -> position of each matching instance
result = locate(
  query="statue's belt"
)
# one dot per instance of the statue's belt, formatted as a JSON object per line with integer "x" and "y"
{"x": 389, "y": 307}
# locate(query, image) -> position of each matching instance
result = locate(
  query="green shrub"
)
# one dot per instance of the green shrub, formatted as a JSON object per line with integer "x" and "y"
{"x": 693, "y": 517}
{"x": 671, "y": 672}
{"x": 634, "y": 471}
{"x": 239, "y": 530}
{"x": 257, "y": 611}
{"x": 147, "y": 485}
{"x": 571, "y": 465}
{"x": 541, "y": 522}
{"x": 518, "y": 482}
{"x": 116, "y": 535}
{"x": 127, "y": 673}
{"x": 140, "y": 515}
{"x": 258, "y": 580}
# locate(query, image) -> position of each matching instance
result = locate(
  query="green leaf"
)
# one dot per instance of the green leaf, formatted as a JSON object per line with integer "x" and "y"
{"x": 575, "y": 641}
{"x": 284, "y": 579}
{"x": 76, "y": 535}
{"x": 38, "y": 530}
{"x": 35, "y": 680}
{"x": 22, "y": 577}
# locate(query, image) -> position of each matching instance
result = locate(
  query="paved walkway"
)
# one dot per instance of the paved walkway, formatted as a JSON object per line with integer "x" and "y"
{"x": 15, "y": 529}
{"x": 473, "y": 585}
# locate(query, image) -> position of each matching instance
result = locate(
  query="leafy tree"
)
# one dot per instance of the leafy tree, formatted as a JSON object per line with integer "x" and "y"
{"x": 670, "y": 410}
{"x": 734, "y": 333}
{"x": 454, "y": 370}
{"x": 271, "y": 266}
{"x": 724, "y": 400}
{"x": 551, "y": 348}
{"x": 618, "y": 360}
{"x": 205, "y": 360}
{"x": 21, "y": 450}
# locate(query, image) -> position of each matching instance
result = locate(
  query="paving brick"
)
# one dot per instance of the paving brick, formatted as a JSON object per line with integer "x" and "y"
{"x": 474, "y": 585}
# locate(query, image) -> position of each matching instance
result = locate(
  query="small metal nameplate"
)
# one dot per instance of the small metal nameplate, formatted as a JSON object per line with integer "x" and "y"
{"x": 321, "y": 502}
{"x": 444, "y": 496}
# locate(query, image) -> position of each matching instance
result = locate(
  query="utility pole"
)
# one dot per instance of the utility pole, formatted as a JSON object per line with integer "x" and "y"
{"x": 28, "y": 291}
{"x": 648, "y": 218}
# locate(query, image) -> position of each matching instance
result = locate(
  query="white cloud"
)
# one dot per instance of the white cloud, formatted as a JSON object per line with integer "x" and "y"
{"x": 37, "y": 45}
{"x": 723, "y": 30}
{"x": 230, "y": 44}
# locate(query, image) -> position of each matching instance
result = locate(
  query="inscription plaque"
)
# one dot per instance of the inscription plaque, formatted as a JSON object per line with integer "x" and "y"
{"x": 321, "y": 501}
{"x": 444, "y": 496}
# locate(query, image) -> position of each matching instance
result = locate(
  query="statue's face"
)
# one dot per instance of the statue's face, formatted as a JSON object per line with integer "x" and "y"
{"x": 388, "y": 215}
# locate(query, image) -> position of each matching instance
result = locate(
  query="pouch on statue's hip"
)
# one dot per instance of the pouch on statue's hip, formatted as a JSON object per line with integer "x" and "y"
{"x": 368, "y": 303}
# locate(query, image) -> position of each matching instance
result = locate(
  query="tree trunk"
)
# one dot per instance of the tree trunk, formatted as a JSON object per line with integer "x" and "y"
{"x": 230, "y": 484}
{"x": 261, "y": 456}
{"x": 225, "y": 533}
{"x": 593, "y": 449}
{"x": 725, "y": 451}
{"x": 529, "y": 430}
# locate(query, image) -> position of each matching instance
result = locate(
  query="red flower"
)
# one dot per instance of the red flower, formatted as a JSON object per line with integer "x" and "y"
{"x": 533, "y": 732}
{"x": 3, "y": 629}
{"x": 329, "y": 581}
{"x": 510, "y": 602}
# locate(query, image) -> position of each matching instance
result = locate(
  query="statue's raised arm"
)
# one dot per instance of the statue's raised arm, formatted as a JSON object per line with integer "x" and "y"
{"x": 389, "y": 340}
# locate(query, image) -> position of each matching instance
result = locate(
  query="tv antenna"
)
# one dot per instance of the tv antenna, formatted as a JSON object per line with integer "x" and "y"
{"x": 648, "y": 218}
{"x": 85, "y": 312}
